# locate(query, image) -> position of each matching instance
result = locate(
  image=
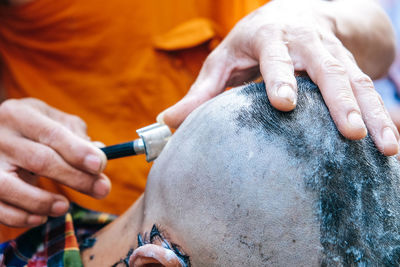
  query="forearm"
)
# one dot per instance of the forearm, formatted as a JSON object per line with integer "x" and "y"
{"x": 365, "y": 30}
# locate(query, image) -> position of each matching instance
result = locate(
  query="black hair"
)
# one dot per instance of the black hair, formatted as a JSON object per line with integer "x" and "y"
{"x": 124, "y": 260}
{"x": 156, "y": 234}
{"x": 359, "y": 190}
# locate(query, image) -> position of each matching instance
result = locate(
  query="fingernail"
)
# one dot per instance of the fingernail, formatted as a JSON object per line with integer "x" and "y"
{"x": 287, "y": 92}
{"x": 93, "y": 163}
{"x": 101, "y": 188}
{"x": 36, "y": 219}
{"x": 160, "y": 118}
{"x": 355, "y": 120}
{"x": 59, "y": 207}
{"x": 390, "y": 145}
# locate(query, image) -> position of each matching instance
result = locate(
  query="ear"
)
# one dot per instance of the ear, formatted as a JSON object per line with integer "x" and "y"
{"x": 153, "y": 255}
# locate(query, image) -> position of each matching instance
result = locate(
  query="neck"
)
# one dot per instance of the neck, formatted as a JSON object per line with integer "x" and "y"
{"x": 115, "y": 240}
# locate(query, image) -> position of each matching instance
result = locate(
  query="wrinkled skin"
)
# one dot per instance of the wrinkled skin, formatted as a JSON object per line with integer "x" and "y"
{"x": 275, "y": 40}
{"x": 338, "y": 48}
{"x": 38, "y": 140}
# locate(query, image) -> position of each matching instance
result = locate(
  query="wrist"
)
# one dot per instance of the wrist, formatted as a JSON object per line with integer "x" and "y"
{"x": 367, "y": 34}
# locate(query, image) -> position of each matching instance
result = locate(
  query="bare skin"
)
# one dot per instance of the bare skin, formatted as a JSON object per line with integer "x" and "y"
{"x": 38, "y": 140}
{"x": 214, "y": 209}
{"x": 275, "y": 40}
{"x": 259, "y": 194}
{"x": 108, "y": 249}
{"x": 339, "y": 49}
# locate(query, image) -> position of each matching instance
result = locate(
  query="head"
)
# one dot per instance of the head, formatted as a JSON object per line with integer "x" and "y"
{"x": 242, "y": 184}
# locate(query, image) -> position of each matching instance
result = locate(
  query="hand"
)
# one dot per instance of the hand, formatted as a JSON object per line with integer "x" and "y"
{"x": 38, "y": 140}
{"x": 286, "y": 36}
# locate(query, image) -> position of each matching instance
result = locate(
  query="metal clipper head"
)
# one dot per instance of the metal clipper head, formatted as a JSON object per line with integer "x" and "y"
{"x": 154, "y": 137}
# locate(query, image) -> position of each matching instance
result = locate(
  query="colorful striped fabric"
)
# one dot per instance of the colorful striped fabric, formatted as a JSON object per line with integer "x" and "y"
{"x": 56, "y": 243}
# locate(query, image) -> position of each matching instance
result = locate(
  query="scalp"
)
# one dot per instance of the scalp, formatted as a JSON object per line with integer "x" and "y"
{"x": 244, "y": 184}
{"x": 358, "y": 188}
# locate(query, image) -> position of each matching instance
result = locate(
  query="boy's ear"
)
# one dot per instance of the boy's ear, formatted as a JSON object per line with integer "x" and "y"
{"x": 153, "y": 255}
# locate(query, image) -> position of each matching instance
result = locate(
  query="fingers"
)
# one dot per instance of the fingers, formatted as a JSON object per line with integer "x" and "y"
{"x": 40, "y": 128}
{"x": 350, "y": 95}
{"x": 331, "y": 77}
{"x": 14, "y": 217}
{"x": 379, "y": 124}
{"x": 44, "y": 161}
{"x": 33, "y": 143}
{"x": 72, "y": 122}
{"x": 276, "y": 69}
{"x": 19, "y": 194}
{"x": 210, "y": 82}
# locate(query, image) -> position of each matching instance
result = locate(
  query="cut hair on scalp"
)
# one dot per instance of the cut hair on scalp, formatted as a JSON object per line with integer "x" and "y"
{"x": 358, "y": 188}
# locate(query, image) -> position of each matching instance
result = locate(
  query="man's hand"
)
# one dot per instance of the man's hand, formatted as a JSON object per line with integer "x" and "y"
{"x": 38, "y": 140}
{"x": 287, "y": 36}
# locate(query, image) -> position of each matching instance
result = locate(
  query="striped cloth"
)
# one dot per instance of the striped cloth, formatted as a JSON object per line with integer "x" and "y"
{"x": 56, "y": 243}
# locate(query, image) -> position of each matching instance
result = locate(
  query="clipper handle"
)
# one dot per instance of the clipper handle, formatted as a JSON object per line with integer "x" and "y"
{"x": 124, "y": 150}
{"x": 152, "y": 140}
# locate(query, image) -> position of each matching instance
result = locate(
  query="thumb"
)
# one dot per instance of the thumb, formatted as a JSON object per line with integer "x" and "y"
{"x": 175, "y": 115}
{"x": 210, "y": 82}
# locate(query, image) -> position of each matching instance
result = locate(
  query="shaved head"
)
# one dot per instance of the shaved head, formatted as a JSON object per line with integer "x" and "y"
{"x": 241, "y": 183}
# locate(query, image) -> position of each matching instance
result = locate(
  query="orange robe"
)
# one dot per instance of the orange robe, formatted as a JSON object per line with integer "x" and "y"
{"x": 116, "y": 64}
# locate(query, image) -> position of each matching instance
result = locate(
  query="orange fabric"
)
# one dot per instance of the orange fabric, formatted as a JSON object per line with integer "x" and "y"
{"x": 116, "y": 64}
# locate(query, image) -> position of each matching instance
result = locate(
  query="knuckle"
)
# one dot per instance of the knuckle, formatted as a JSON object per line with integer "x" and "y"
{"x": 32, "y": 101}
{"x": 363, "y": 82}
{"x": 302, "y": 34}
{"x": 39, "y": 162}
{"x": 266, "y": 34}
{"x": 78, "y": 121}
{"x": 50, "y": 134}
{"x": 7, "y": 108}
{"x": 305, "y": 30}
{"x": 332, "y": 66}
{"x": 370, "y": 98}
{"x": 346, "y": 100}
{"x": 84, "y": 184}
{"x": 283, "y": 60}
{"x": 269, "y": 29}
{"x": 41, "y": 205}
{"x": 375, "y": 113}
{"x": 15, "y": 220}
